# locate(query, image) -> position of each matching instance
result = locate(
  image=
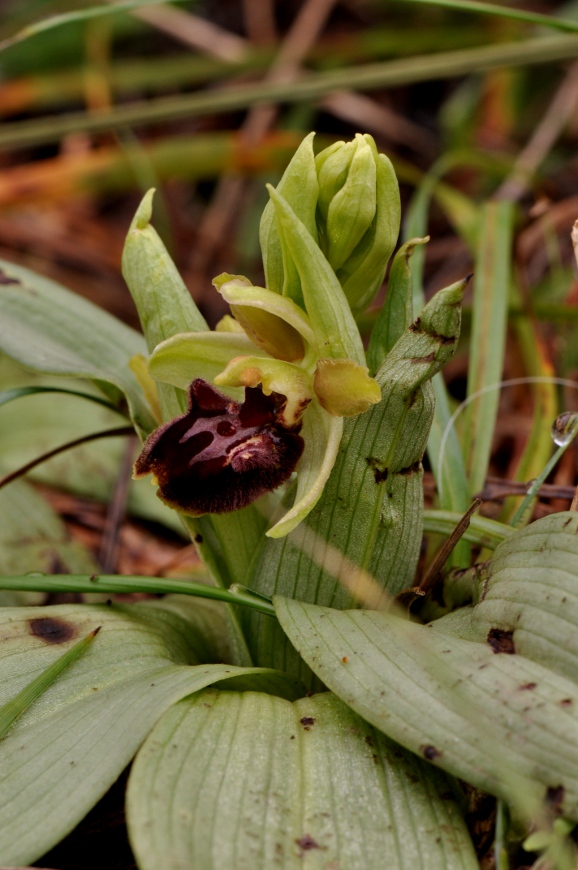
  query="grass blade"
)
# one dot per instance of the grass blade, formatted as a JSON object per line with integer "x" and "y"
{"x": 488, "y": 337}
{"x": 14, "y": 708}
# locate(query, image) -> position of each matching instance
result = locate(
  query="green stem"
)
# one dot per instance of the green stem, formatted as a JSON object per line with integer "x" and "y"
{"x": 482, "y": 531}
{"x": 538, "y": 481}
{"x": 115, "y": 583}
{"x": 442, "y": 65}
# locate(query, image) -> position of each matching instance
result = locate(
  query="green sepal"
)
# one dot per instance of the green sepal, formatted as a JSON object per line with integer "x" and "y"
{"x": 344, "y": 388}
{"x": 190, "y": 355}
{"x": 165, "y": 306}
{"x": 322, "y": 436}
{"x": 335, "y": 329}
{"x": 300, "y": 188}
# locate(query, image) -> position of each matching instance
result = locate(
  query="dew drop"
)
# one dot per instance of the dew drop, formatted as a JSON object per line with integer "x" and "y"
{"x": 564, "y": 428}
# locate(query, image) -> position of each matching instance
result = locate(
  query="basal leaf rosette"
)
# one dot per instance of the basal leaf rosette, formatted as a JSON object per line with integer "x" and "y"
{"x": 224, "y": 452}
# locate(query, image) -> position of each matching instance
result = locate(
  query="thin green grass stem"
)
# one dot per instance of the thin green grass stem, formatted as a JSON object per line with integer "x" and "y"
{"x": 114, "y": 584}
{"x": 538, "y": 481}
{"x": 442, "y": 65}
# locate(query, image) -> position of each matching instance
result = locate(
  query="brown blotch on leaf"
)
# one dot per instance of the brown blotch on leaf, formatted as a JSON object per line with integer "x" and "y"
{"x": 423, "y": 359}
{"x": 528, "y": 686}
{"x": 566, "y": 702}
{"x": 307, "y": 842}
{"x": 554, "y": 797}
{"x": 6, "y": 279}
{"x": 379, "y": 472}
{"x": 307, "y": 722}
{"x": 221, "y": 455}
{"x": 414, "y": 468}
{"x": 501, "y": 641}
{"x": 52, "y": 630}
{"x": 430, "y": 752}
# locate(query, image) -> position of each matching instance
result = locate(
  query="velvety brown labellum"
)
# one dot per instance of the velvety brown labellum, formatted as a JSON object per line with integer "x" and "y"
{"x": 221, "y": 455}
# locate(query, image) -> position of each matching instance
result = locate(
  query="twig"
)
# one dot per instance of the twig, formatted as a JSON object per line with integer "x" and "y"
{"x": 436, "y": 567}
{"x": 556, "y": 117}
{"x": 195, "y": 32}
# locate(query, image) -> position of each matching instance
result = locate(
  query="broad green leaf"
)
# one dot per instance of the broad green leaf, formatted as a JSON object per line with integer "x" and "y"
{"x": 364, "y": 534}
{"x": 48, "y": 329}
{"x": 69, "y": 747}
{"x": 335, "y": 330}
{"x": 299, "y": 188}
{"x": 503, "y": 723}
{"x": 488, "y": 337}
{"x": 254, "y": 781}
{"x": 396, "y": 313}
{"x": 530, "y": 592}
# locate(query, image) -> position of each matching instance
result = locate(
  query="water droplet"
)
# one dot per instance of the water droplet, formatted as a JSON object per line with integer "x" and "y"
{"x": 564, "y": 428}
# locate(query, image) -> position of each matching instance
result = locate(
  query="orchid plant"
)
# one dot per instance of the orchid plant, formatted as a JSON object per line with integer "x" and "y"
{"x": 284, "y": 711}
{"x": 326, "y": 237}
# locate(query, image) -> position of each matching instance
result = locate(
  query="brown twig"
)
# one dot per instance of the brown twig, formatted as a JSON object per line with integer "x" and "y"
{"x": 436, "y": 567}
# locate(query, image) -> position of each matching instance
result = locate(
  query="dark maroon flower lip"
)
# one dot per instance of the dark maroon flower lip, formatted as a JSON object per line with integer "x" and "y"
{"x": 221, "y": 455}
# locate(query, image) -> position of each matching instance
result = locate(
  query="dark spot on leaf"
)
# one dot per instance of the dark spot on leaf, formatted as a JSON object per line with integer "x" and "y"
{"x": 6, "y": 279}
{"x": 430, "y": 752}
{"x": 566, "y": 702}
{"x": 424, "y": 359}
{"x": 417, "y": 327}
{"x": 369, "y": 739}
{"x": 528, "y": 686}
{"x": 414, "y": 468}
{"x": 292, "y": 737}
{"x": 554, "y": 797}
{"x": 568, "y": 521}
{"x": 93, "y": 578}
{"x": 501, "y": 641}
{"x": 52, "y": 630}
{"x": 307, "y": 722}
{"x": 198, "y": 539}
{"x": 307, "y": 842}
{"x": 380, "y": 472}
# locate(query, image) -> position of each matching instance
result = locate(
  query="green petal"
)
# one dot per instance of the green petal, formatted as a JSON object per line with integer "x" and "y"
{"x": 343, "y": 388}
{"x": 189, "y": 355}
{"x": 274, "y": 376}
{"x": 331, "y": 318}
{"x": 275, "y": 323}
{"x": 322, "y": 435}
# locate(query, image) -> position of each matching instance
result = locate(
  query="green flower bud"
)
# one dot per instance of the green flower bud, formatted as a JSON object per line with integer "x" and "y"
{"x": 358, "y": 215}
